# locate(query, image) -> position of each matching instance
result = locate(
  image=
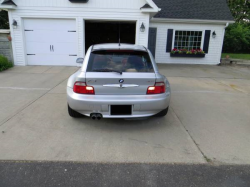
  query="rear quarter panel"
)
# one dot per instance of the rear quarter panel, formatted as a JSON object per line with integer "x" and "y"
{"x": 78, "y": 76}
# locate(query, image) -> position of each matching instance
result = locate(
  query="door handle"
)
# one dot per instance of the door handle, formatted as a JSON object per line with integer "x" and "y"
{"x": 53, "y": 48}
{"x": 50, "y": 48}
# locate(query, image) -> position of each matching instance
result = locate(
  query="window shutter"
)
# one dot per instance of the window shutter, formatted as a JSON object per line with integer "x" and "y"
{"x": 152, "y": 40}
{"x": 206, "y": 40}
{"x": 169, "y": 40}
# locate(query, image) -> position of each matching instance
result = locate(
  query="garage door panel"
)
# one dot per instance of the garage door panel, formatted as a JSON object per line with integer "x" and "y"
{"x": 65, "y": 48}
{"x": 48, "y": 49}
{"x": 45, "y": 35}
{"x": 55, "y": 60}
{"x": 51, "y": 41}
{"x": 38, "y": 48}
{"x": 49, "y": 24}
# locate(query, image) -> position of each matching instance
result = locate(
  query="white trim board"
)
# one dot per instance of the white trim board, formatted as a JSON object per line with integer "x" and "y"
{"x": 7, "y": 7}
{"x": 4, "y": 31}
{"x": 202, "y": 37}
{"x": 198, "y": 21}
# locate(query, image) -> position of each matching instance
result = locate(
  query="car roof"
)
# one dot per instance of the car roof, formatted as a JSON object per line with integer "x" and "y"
{"x": 118, "y": 46}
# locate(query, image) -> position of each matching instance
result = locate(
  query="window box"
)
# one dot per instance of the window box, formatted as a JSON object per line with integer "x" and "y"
{"x": 188, "y": 55}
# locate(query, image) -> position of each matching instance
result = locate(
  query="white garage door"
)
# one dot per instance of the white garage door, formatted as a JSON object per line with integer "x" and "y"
{"x": 51, "y": 42}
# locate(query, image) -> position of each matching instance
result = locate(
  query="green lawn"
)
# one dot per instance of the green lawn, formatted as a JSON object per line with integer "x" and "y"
{"x": 236, "y": 56}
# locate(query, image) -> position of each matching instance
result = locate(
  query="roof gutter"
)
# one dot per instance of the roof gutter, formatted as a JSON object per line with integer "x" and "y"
{"x": 227, "y": 24}
{"x": 201, "y": 21}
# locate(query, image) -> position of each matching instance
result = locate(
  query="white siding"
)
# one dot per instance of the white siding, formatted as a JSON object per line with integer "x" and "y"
{"x": 104, "y": 4}
{"x": 109, "y": 10}
{"x": 215, "y": 46}
{"x": 115, "y": 10}
{"x": 17, "y": 42}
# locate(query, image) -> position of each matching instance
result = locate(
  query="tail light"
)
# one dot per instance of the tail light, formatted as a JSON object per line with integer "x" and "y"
{"x": 82, "y": 88}
{"x": 158, "y": 88}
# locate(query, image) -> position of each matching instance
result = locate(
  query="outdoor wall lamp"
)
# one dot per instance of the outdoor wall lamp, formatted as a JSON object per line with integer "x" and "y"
{"x": 14, "y": 24}
{"x": 214, "y": 34}
{"x": 142, "y": 27}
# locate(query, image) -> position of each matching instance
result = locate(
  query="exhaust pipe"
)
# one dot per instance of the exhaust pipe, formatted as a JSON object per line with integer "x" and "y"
{"x": 93, "y": 116}
{"x": 99, "y": 116}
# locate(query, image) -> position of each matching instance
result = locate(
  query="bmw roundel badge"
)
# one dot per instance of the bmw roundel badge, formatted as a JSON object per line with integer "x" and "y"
{"x": 121, "y": 81}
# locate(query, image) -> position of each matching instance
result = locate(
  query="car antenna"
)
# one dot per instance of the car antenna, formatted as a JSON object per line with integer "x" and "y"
{"x": 119, "y": 33}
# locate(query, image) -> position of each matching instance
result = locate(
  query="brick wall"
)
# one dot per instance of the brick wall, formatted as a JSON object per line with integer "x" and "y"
{"x": 5, "y": 46}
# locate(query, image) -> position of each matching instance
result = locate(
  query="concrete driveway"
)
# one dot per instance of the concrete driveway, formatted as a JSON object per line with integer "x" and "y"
{"x": 209, "y": 120}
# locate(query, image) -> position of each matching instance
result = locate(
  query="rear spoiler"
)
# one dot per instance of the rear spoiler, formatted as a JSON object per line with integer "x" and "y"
{"x": 119, "y": 50}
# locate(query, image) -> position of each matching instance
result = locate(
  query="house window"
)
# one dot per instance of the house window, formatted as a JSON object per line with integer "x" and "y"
{"x": 188, "y": 39}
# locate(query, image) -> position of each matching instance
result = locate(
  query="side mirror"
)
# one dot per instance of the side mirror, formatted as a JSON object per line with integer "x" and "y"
{"x": 79, "y": 60}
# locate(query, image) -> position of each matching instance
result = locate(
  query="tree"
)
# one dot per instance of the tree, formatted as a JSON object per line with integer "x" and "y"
{"x": 4, "y": 20}
{"x": 237, "y": 38}
{"x": 240, "y": 10}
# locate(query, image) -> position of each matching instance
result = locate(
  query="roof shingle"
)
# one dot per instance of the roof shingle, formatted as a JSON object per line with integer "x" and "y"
{"x": 194, "y": 9}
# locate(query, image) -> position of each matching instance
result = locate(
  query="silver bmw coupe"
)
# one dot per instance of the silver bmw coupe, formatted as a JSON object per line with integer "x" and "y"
{"x": 118, "y": 81}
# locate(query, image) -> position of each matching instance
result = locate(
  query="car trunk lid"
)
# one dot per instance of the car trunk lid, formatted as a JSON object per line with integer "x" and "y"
{"x": 112, "y": 83}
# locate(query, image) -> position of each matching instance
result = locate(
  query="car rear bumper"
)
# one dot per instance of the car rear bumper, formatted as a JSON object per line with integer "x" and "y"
{"x": 143, "y": 105}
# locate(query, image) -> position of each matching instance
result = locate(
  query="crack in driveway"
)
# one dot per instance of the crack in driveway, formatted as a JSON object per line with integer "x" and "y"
{"x": 196, "y": 144}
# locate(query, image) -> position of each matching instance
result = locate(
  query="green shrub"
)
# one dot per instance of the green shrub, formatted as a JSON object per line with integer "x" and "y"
{"x": 4, "y": 63}
{"x": 237, "y": 38}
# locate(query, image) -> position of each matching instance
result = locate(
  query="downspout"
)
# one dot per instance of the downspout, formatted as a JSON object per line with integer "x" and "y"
{"x": 227, "y": 24}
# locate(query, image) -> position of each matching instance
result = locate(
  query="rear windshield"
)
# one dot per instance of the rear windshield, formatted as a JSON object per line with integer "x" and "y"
{"x": 123, "y": 61}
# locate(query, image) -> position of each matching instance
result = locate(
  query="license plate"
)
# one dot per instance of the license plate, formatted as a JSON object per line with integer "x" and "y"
{"x": 116, "y": 110}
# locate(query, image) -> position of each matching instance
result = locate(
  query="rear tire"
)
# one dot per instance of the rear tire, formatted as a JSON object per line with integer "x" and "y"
{"x": 73, "y": 113}
{"x": 162, "y": 113}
